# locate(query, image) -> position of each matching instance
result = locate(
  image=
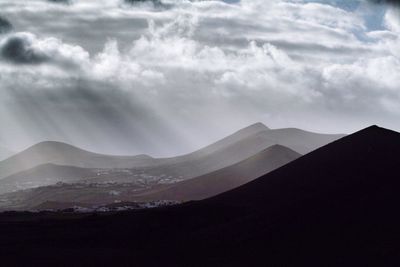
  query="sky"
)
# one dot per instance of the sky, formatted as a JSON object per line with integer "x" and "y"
{"x": 166, "y": 77}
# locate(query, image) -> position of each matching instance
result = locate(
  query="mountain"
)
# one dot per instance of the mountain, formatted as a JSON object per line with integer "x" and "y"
{"x": 24, "y": 170}
{"x": 225, "y": 179}
{"x": 360, "y": 163}
{"x": 258, "y": 136}
{"x": 63, "y": 154}
{"x": 299, "y": 140}
{"x": 336, "y": 206}
{"x": 226, "y": 152}
{"x": 95, "y": 193}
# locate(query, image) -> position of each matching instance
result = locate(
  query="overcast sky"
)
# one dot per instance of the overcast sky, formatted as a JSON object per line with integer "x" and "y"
{"x": 166, "y": 78}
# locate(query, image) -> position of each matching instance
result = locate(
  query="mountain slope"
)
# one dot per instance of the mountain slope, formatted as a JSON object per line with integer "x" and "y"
{"x": 64, "y": 154}
{"x": 43, "y": 175}
{"x": 94, "y": 193}
{"x": 336, "y": 206}
{"x": 357, "y": 163}
{"x": 226, "y": 152}
{"x": 67, "y": 155}
{"x": 299, "y": 140}
{"x": 225, "y": 179}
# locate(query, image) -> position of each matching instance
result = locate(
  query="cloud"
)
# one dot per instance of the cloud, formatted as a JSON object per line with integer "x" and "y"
{"x": 392, "y": 19}
{"x": 18, "y": 49}
{"x": 152, "y": 3}
{"x": 66, "y": 2}
{"x": 5, "y": 26}
{"x": 26, "y": 48}
{"x": 391, "y": 2}
{"x": 153, "y": 80}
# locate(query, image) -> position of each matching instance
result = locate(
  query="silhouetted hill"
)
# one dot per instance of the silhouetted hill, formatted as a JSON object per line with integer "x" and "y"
{"x": 357, "y": 163}
{"x": 336, "y": 206}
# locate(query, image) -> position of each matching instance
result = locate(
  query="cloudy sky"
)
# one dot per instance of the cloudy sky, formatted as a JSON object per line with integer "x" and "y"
{"x": 169, "y": 76}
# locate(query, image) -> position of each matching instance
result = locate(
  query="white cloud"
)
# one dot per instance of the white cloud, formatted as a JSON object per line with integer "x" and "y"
{"x": 192, "y": 66}
{"x": 392, "y": 19}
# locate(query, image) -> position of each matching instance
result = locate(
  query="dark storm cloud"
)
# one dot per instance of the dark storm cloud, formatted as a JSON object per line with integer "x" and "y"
{"x": 5, "y": 26}
{"x": 391, "y": 2}
{"x": 67, "y": 2}
{"x": 18, "y": 49}
{"x": 142, "y": 1}
{"x": 155, "y": 3}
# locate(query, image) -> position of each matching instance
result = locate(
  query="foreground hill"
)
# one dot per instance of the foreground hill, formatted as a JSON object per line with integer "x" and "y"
{"x": 92, "y": 193}
{"x": 333, "y": 207}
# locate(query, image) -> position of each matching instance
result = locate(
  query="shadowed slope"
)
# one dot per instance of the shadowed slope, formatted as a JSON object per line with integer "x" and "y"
{"x": 226, "y": 179}
{"x": 359, "y": 163}
{"x": 336, "y": 206}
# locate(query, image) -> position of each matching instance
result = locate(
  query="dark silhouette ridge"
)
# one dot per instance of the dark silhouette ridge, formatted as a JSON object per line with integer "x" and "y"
{"x": 340, "y": 160}
{"x": 336, "y": 206}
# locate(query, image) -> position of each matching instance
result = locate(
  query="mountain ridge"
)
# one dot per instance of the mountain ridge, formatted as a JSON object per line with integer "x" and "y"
{"x": 232, "y": 149}
{"x": 192, "y": 189}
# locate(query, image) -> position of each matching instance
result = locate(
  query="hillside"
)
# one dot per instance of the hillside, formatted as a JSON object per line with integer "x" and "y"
{"x": 226, "y": 152}
{"x": 93, "y": 192}
{"x": 63, "y": 154}
{"x": 225, "y": 179}
{"x": 335, "y": 206}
